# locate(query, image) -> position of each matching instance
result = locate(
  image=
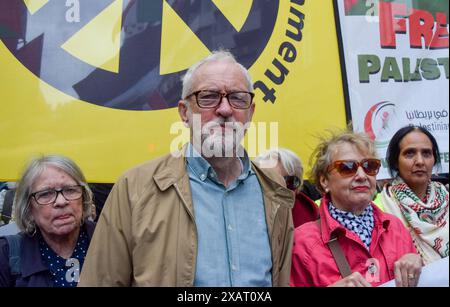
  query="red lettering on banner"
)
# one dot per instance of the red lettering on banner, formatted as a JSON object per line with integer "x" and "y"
{"x": 421, "y": 25}
{"x": 389, "y": 25}
{"x": 424, "y": 30}
{"x": 440, "y": 39}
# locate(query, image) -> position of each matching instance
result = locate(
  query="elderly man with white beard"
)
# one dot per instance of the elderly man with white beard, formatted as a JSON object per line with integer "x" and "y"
{"x": 207, "y": 216}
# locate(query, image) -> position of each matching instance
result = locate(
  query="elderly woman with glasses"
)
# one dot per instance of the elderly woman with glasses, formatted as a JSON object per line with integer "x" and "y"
{"x": 354, "y": 243}
{"x": 289, "y": 166}
{"x": 52, "y": 206}
{"x": 420, "y": 203}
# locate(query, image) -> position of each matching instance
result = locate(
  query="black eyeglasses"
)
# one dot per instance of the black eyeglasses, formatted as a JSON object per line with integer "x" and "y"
{"x": 292, "y": 182}
{"x": 211, "y": 99}
{"x": 347, "y": 168}
{"x": 47, "y": 197}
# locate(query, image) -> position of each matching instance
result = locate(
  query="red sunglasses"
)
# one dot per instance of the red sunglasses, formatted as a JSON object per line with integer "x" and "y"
{"x": 347, "y": 168}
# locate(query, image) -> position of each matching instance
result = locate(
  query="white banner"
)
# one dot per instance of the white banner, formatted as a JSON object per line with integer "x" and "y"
{"x": 433, "y": 275}
{"x": 396, "y": 68}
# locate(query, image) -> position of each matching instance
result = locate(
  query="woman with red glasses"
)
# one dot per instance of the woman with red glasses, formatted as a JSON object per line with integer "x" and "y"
{"x": 354, "y": 243}
{"x": 420, "y": 203}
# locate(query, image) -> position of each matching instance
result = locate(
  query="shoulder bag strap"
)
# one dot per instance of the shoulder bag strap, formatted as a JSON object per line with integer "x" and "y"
{"x": 338, "y": 255}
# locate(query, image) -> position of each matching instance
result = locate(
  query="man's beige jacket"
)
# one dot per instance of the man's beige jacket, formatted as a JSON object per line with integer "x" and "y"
{"x": 146, "y": 234}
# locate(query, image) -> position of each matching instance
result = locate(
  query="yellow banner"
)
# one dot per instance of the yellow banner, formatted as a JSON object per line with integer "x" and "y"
{"x": 91, "y": 90}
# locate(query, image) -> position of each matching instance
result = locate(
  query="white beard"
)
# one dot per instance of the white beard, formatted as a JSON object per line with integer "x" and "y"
{"x": 218, "y": 142}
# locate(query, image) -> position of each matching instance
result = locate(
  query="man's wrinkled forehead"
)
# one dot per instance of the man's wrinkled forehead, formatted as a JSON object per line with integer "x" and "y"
{"x": 215, "y": 75}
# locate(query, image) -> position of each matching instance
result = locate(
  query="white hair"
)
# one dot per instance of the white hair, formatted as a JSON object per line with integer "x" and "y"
{"x": 34, "y": 169}
{"x": 290, "y": 161}
{"x": 215, "y": 56}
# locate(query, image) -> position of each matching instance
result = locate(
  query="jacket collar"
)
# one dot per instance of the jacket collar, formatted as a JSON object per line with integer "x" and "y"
{"x": 274, "y": 193}
{"x": 174, "y": 170}
{"x": 31, "y": 257}
{"x": 330, "y": 227}
{"x": 173, "y": 173}
{"x": 273, "y": 187}
{"x": 202, "y": 169}
{"x": 30, "y": 252}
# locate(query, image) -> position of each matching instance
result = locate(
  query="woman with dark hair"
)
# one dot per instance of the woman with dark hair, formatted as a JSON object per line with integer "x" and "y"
{"x": 420, "y": 203}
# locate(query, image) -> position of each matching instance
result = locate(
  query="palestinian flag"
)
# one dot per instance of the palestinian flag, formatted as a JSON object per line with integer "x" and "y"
{"x": 360, "y": 7}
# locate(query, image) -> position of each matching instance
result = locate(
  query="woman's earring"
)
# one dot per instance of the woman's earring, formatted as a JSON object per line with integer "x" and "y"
{"x": 32, "y": 230}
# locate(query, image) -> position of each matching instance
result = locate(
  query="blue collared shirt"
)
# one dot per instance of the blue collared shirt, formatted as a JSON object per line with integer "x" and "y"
{"x": 233, "y": 240}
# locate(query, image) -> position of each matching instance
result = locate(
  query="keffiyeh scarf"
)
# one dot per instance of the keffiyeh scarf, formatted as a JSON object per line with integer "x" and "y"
{"x": 362, "y": 225}
{"x": 428, "y": 222}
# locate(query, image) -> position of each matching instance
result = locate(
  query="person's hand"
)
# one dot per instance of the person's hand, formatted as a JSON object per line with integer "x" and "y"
{"x": 407, "y": 270}
{"x": 353, "y": 280}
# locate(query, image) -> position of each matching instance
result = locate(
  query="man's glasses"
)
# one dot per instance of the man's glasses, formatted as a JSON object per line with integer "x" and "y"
{"x": 292, "y": 182}
{"x": 47, "y": 197}
{"x": 347, "y": 168}
{"x": 211, "y": 99}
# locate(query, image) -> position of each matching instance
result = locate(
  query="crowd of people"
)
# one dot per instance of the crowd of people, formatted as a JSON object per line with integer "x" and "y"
{"x": 210, "y": 216}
